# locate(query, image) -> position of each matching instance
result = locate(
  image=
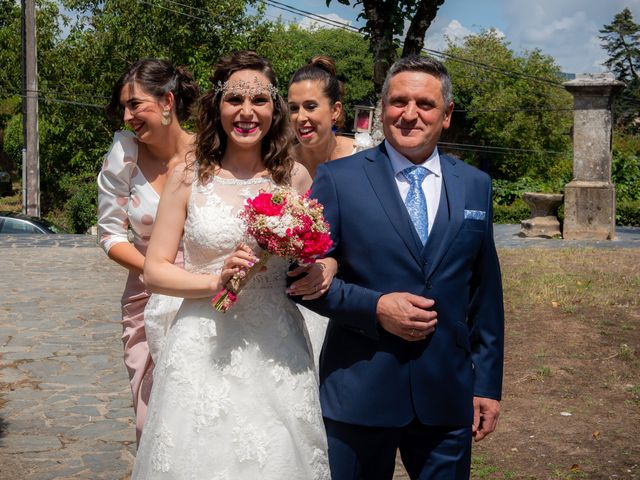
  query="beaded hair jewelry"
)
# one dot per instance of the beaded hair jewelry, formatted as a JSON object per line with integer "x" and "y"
{"x": 246, "y": 88}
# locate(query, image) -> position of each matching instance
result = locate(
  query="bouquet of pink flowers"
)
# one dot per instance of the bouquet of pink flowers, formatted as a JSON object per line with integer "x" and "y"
{"x": 284, "y": 224}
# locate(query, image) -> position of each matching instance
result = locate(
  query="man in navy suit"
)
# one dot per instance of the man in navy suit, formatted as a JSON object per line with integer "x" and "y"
{"x": 413, "y": 355}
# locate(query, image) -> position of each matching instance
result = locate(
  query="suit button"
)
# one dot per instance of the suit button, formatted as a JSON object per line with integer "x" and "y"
{"x": 429, "y": 285}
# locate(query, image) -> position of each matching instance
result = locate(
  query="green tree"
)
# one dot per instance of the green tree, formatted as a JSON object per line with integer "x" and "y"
{"x": 48, "y": 27}
{"x": 386, "y": 23}
{"x": 504, "y": 106}
{"x": 77, "y": 70}
{"x": 621, "y": 40}
{"x": 290, "y": 47}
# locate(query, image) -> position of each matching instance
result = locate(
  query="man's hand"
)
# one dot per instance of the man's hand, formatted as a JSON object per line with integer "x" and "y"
{"x": 485, "y": 417}
{"x": 403, "y": 314}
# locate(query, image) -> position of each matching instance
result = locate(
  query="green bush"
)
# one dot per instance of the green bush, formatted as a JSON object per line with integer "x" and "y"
{"x": 81, "y": 208}
{"x": 506, "y": 192}
{"x": 513, "y": 213}
{"x": 628, "y": 213}
{"x": 625, "y": 174}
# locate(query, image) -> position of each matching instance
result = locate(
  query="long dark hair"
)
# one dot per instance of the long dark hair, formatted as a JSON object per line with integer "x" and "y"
{"x": 322, "y": 69}
{"x": 211, "y": 140}
{"x": 157, "y": 78}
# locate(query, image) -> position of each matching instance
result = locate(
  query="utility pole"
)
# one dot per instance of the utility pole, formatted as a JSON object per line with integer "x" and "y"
{"x": 31, "y": 160}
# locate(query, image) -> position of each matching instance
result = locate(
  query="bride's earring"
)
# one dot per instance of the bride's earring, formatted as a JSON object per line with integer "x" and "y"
{"x": 166, "y": 117}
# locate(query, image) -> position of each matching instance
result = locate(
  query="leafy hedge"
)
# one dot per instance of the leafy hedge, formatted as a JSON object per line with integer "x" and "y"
{"x": 514, "y": 213}
{"x": 628, "y": 213}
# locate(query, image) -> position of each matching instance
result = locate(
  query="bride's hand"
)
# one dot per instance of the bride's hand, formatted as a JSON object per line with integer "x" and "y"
{"x": 317, "y": 280}
{"x": 238, "y": 261}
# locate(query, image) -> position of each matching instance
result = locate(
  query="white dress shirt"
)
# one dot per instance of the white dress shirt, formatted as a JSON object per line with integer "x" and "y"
{"x": 431, "y": 185}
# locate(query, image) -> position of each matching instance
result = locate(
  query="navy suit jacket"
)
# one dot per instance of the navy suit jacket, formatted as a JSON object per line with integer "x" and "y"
{"x": 369, "y": 376}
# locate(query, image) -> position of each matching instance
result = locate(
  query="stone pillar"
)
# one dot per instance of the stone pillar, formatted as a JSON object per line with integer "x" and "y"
{"x": 589, "y": 199}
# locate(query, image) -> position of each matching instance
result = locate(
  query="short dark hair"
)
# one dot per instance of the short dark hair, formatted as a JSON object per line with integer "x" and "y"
{"x": 418, "y": 63}
{"x": 157, "y": 77}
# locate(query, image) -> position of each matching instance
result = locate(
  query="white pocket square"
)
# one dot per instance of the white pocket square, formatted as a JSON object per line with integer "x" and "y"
{"x": 474, "y": 215}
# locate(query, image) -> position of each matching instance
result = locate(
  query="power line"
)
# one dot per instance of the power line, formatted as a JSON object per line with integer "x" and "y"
{"x": 70, "y": 102}
{"x": 72, "y": 94}
{"x": 43, "y": 98}
{"x": 176, "y": 11}
{"x": 189, "y": 6}
{"x": 488, "y": 148}
{"x": 497, "y": 110}
{"x": 466, "y": 61}
{"x": 310, "y": 15}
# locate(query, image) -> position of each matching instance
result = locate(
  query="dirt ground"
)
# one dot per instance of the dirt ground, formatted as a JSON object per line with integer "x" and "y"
{"x": 571, "y": 406}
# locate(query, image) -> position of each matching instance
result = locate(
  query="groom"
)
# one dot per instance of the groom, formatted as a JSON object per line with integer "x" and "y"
{"x": 413, "y": 354}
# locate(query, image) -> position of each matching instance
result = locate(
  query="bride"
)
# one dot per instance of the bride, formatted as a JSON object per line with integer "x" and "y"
{"x": 235, "y": 395}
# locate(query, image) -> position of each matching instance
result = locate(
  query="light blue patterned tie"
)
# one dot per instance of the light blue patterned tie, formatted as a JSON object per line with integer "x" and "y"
{"x": 416, "y": 202}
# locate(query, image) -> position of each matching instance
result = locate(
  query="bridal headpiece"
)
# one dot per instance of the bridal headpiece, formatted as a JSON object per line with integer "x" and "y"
{"x": 246, "y": 88}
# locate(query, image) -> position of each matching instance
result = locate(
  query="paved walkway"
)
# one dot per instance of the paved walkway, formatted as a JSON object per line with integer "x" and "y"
{"x": 65, "y": 406}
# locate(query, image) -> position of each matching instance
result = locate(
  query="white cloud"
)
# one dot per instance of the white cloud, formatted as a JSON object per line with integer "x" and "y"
{"x": 568, "y": 30}
{"x": 441, "y": 33}
{"x": 311, "y": 24}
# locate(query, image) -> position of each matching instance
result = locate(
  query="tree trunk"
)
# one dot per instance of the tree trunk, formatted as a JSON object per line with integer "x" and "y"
{"x": 381, "y": 38}
{"x": 424, "y": 15}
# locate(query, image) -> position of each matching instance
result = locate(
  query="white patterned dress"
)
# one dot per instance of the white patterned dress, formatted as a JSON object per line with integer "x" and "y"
{"x": 235, "y": 395}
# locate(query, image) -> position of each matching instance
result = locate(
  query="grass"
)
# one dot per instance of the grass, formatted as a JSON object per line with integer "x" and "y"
{"x": 12, "y": 203}
{"x": 572, "y": 337}
{"x": 482, "y": 469}
{"x": 626, "y": 352}
{"x": 544, "y": 372}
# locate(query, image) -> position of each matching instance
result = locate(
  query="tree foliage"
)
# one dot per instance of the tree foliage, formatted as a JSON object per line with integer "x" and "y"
{"x": 290, "y": 47}
{"x": 78, "y": 67}
{"x": 386, "y": 23}
{"x": 621, "y": 40}
{"x": 510, "y": 106}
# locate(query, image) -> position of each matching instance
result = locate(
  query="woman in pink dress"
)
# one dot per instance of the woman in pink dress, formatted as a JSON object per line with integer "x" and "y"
{"x": 153, "y": 98}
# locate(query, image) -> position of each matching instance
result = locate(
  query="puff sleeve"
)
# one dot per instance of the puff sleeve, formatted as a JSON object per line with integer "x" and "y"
{"x": 114, "y": 190}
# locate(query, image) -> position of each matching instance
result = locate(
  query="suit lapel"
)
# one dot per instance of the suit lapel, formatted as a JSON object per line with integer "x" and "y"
{"x": 455, "y": 200}
{"x": 380, "y": 173}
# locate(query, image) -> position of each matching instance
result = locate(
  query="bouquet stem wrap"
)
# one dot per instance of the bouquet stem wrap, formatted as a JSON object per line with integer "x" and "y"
{"x": 228, "y": 296}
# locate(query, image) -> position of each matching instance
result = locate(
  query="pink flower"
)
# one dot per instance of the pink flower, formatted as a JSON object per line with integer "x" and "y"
{"x": 263, "y": 205}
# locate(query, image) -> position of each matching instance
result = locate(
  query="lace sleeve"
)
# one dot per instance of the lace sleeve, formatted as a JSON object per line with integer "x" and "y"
{"x": 114, "y": 188}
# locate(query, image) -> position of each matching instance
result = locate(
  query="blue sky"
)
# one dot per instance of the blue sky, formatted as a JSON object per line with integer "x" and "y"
{"x": 564, "y": 29}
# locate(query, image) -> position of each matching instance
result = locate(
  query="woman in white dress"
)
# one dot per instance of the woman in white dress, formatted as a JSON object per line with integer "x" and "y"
{"x": 235, "y": 394}
{"x": 152, "y": 97}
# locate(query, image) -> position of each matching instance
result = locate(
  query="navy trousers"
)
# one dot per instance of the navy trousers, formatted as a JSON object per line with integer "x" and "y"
{"x": 369, "y": 453}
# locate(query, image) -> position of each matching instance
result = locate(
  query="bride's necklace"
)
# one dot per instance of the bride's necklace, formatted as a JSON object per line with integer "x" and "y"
{"x": 238, "y": 175}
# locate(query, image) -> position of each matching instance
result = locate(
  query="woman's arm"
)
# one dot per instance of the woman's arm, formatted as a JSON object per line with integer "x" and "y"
{"x": 300, "y": 178}
{"x": 160, "y": 274}
{"x": 113, "y": 198}
{"x": 127, "y": 255}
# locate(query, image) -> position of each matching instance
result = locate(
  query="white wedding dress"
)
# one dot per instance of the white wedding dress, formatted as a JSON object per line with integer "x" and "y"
{"x": 235, "y": 395}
